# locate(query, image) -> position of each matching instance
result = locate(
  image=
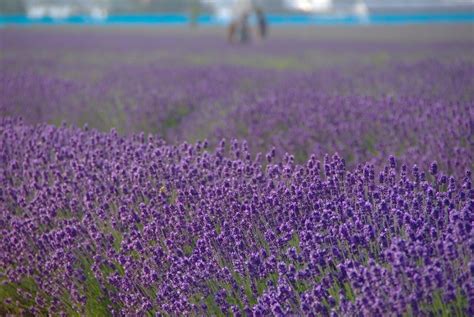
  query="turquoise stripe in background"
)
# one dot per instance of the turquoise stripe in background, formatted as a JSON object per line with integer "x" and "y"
{"x": 182, "y": 19}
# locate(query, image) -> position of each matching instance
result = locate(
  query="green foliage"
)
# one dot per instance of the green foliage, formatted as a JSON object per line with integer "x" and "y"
{"x": 176, "y": 115}
{"x": 349, "y": 292}
{"x": 188, "y": 249}
{"x": 369, "y": 144}
{"x": 97, "y": 303}
{"x": 212, "y": 308}
{"x": 18, "y": 302}
{"x": 295, "y": 242}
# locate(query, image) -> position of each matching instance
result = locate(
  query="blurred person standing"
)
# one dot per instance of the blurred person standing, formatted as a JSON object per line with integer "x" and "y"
{"x": 194, "y": 12}
{"x": 242, "y": 12}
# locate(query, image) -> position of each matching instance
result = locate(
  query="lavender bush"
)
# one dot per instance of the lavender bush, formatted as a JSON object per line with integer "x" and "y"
{"x": 95, "y": 223}
{"x": 288, "y": 179}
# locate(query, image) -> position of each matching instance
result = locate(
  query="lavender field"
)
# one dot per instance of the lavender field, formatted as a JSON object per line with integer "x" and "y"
{"x": 324, "y": 172}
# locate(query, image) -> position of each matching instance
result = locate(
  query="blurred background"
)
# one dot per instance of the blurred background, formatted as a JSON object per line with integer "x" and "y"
{"x": 218, "y": 11}
{"x": 366, "y": 84}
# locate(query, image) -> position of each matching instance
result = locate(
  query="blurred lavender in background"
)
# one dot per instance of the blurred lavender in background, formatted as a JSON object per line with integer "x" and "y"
{"x": 364, "y": 93}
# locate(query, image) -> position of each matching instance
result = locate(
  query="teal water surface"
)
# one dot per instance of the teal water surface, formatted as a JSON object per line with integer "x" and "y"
{"x": 183, "y": 19}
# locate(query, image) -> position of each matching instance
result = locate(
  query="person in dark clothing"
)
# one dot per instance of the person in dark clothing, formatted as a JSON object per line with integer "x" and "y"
{"x": 242, "y": 12}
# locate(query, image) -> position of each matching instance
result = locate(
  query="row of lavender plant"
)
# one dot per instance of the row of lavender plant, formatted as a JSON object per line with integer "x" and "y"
{"x": 416, "y": 102}
{"x": 96, "y": 223}
{"x": 428, "y": 115}
{"x": 419, "y": 117}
